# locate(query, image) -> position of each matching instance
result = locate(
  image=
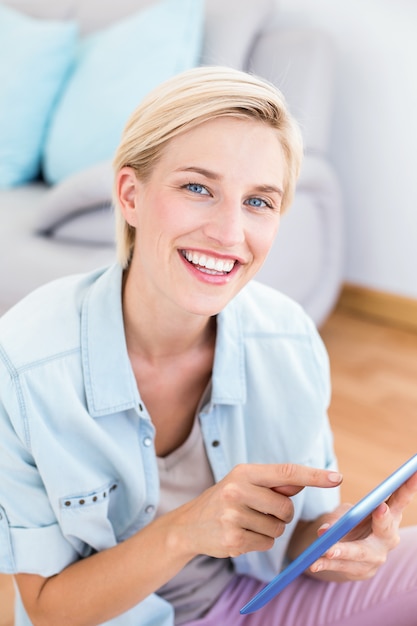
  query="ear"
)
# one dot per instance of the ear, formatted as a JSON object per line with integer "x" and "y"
{"x": 127, "y": 186}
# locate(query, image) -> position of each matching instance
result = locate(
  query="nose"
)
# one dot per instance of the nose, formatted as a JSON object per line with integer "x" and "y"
{"x": 226, "y": 223}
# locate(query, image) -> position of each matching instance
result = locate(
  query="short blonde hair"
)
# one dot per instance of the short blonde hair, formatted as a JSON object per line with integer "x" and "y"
{"x": 187, "y": 100}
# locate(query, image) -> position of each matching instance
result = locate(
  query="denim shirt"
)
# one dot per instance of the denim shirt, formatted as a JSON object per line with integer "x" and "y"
{"x": 78, "y": 470}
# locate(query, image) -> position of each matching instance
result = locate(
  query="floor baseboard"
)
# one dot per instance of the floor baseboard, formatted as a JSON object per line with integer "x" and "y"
{"x": 386, "y": 307}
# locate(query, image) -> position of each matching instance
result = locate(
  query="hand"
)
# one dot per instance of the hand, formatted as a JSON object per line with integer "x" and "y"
{"x": 359, "y": 555}
{"x": 245, "y": 511}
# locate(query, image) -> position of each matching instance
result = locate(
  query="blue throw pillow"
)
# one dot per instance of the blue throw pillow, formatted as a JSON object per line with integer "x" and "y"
{"x": 115, "y": 69}
{"x": 35, "y": 58}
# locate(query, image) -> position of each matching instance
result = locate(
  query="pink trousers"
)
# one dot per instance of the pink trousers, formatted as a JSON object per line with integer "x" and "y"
{"x": 387, "y": 599}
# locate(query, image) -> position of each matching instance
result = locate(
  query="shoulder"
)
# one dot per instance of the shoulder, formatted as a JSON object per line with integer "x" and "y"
{"x": 277, "y": 332}
{"x": 268, "y": 311}
{"x": 45, "y": 322}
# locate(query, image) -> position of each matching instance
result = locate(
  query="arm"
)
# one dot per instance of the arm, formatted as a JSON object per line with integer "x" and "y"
{"x": 245, "y": 511}
{"x": 359, "y": 555}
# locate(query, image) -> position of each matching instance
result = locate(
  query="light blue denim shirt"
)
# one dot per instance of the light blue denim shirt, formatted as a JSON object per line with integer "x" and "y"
{"x": 78, "y": 470}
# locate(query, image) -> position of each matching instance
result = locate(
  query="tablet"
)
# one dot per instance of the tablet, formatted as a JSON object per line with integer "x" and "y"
{"x": 345, "y": 524}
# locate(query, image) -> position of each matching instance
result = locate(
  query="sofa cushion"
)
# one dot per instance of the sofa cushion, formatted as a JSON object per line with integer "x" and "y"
{"x": 35, "y": 57}
{"x": 116, "y": 67}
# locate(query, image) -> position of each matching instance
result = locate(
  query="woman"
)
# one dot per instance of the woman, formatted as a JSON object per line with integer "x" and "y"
{"x": 164, "y": 440}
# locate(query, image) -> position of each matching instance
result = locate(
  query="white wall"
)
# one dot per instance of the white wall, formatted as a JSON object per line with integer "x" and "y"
{"x": 374, "y": 136}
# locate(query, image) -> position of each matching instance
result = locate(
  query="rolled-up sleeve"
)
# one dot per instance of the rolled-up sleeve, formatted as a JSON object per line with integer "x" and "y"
{"x": 31, "y": 540}
{"x": 41, "y": 551}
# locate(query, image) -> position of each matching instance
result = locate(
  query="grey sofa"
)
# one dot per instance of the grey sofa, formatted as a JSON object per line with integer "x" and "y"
{"x": 49, "y": 231}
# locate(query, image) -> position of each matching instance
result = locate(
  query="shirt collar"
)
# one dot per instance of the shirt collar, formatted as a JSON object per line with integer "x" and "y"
{"x": 229, "y": 380}
{"x": 109, "y": 380}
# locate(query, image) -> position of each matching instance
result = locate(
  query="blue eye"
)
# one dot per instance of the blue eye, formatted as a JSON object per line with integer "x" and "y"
{"x": 196, "y": 188}
{"x": 257, "y": 203}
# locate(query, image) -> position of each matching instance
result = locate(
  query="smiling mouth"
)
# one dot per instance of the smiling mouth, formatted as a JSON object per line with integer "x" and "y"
{"x": 209, "y": 264}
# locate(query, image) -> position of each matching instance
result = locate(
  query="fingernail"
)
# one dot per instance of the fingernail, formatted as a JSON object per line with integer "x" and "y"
{"x": 384, "y": 508}
{"x": 323, "y": 527}
{"x": 335, "y": 477}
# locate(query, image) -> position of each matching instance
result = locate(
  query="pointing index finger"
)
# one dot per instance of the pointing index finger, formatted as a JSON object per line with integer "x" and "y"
{"x": 291, "y": 474}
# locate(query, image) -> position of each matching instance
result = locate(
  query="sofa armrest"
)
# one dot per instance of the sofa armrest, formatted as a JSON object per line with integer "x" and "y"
{"x": 301, "y": 63}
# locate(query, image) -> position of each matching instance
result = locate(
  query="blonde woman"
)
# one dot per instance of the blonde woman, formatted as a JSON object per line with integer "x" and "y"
{"x": 164, "y": 444}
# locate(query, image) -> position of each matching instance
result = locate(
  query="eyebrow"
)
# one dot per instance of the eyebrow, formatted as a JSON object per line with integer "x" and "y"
{"x": 201, "y": 170}
{"x": 214, "y": 176}
{"x": 269, "y": 189}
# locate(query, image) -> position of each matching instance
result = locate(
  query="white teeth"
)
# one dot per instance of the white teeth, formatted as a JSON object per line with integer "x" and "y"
{"x": 210, "y": 263}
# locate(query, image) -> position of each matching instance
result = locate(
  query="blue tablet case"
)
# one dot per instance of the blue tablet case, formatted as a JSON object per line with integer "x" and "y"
{"x": 344, "y": 525}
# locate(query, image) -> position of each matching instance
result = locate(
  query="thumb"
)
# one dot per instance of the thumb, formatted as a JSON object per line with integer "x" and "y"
{"x": 333, "y": 517}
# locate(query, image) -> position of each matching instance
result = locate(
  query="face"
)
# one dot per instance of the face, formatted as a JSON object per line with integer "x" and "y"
{"x": 207, "y": 216}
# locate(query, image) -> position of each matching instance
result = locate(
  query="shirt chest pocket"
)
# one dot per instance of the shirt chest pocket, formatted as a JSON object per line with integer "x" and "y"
{"x": 84, "y": 519}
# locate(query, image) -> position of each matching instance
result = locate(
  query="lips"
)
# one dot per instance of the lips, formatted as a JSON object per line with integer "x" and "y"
{"x": 209, "y": 264}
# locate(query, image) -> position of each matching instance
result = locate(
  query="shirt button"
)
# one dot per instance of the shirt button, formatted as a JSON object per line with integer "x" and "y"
{"x": 150, "y": 509}
{"x": 147, "y": 442}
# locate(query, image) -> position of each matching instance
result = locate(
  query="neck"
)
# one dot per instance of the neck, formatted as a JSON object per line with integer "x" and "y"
{"x": 154, "y": 332}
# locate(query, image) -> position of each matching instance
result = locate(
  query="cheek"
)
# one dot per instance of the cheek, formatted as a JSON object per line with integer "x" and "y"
{"x": 264, "y": 238}
{"x": 164, "y": 208}
{"x": 160, "y": 223}
{"x": 151, "y": 212}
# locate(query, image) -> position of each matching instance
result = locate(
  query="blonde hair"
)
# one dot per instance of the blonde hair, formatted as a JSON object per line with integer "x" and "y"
{"x": 187, "y": 100}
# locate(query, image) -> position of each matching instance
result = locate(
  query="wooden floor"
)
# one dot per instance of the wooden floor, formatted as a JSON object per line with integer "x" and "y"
{"x": 373, "y": 410}
{"x": 374, "y": 402}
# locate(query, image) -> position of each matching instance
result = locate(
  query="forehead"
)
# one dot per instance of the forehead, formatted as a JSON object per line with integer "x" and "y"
{"x": 227, "y": 138}
{"x": 228, "y": 125}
